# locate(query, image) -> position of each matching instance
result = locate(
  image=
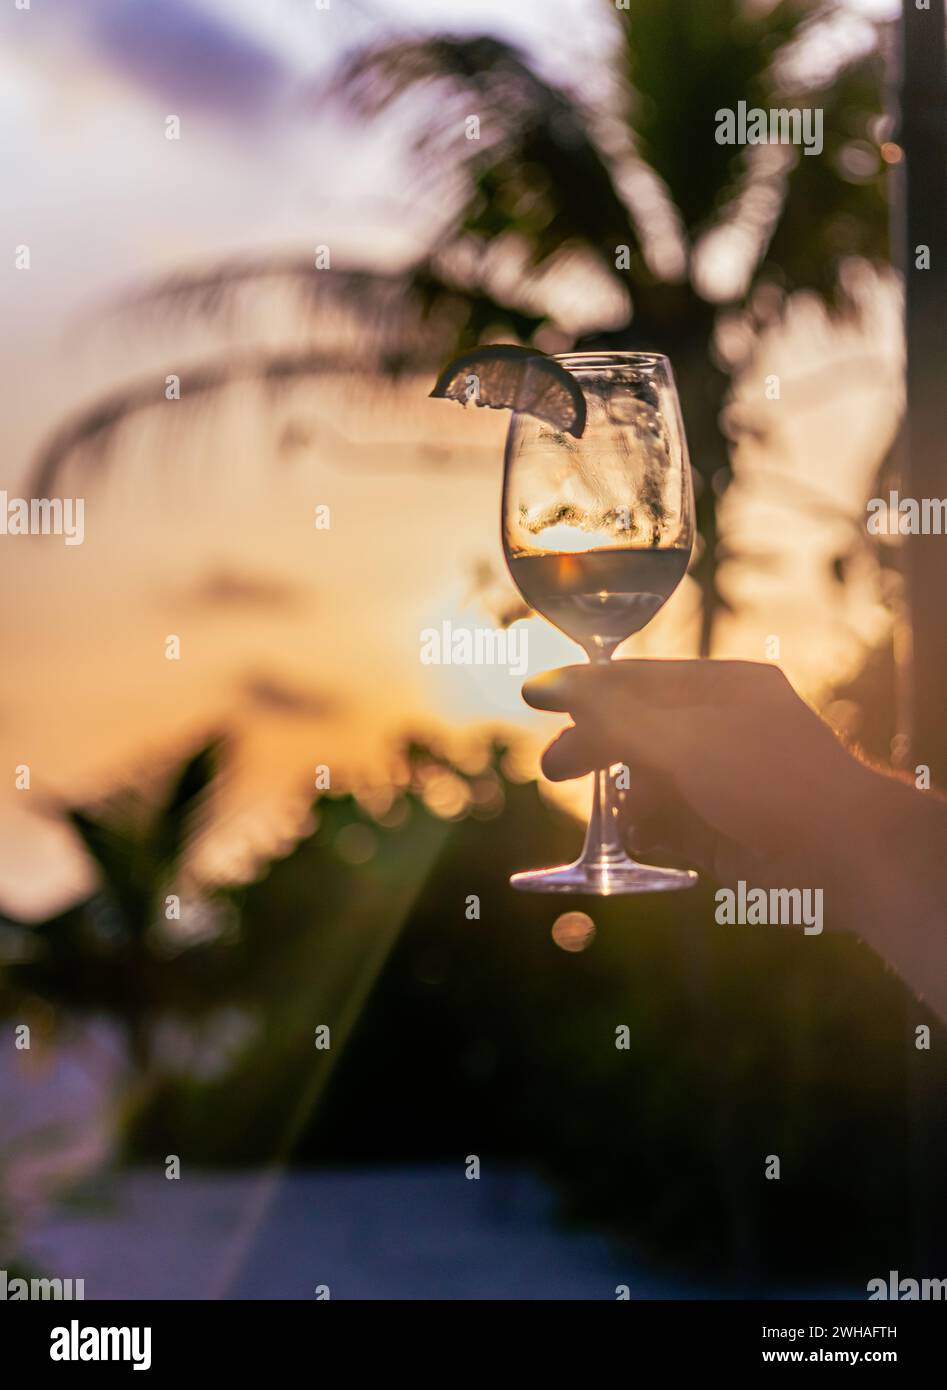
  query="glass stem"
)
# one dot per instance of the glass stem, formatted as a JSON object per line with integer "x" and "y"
{"x": 603, "y": 844}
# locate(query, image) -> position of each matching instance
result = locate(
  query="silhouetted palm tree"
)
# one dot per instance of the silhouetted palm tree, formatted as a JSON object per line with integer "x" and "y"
{"x": 629, "y": 176}
{"x": 113, "y": 953}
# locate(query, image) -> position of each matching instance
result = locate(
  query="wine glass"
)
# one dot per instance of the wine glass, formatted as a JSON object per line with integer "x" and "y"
{"x": 597, "y": 533}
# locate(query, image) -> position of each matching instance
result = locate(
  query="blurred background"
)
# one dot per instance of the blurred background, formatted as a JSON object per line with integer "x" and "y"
{"x": 316, "y": 238}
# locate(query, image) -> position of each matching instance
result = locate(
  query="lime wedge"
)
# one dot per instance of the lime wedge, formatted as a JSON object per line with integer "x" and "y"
{"x": 515, "y": 378}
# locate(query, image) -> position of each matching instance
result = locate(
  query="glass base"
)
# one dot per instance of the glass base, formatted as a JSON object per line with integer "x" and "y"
{"x": 620, "y": 875}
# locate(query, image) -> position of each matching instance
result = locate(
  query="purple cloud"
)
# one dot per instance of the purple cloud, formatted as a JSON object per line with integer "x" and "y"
{"x": 186, "y": 56}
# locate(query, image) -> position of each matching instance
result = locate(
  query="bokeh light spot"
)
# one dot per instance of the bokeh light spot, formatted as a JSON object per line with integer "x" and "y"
{"x": 355, "y": 844}
{"x": 573, "y": 931}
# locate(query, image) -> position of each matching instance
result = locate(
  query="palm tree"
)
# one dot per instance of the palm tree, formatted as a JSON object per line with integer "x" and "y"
{"x": 112, "y": 953}
{"x": 629, "y": 179}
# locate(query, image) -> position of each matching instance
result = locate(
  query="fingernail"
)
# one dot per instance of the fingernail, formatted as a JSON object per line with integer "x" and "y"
{"x": 550, "y": 681}
{"x": 545, "y": 678}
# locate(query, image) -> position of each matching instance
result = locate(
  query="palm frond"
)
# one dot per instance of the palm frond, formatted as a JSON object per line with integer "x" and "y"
{"x": 535, "y": 151}
{"x": 682, "y": 63}
{"x": 383, "y": 325}
{"x": 96, "y": 425}
{"x": 122, "y": 862}
{"x": 383, "y": 317}
{"x": 177, "y": 819}
{"x": 831, "y": 212}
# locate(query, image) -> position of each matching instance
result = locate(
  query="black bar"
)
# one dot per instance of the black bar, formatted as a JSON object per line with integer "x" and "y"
{"x": 288, "y": 1340}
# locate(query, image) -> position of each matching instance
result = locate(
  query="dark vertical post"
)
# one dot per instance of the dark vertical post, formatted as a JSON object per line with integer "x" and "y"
{"x": 923, "y": 137}
{"x": 921, "y": 221}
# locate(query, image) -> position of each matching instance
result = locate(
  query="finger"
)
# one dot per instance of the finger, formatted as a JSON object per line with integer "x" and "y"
{"x": 548, "y": 690}
{"x": 570, "y": 755}
{"x": 639, "y": 737}
{"x": 669, "y": 684}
